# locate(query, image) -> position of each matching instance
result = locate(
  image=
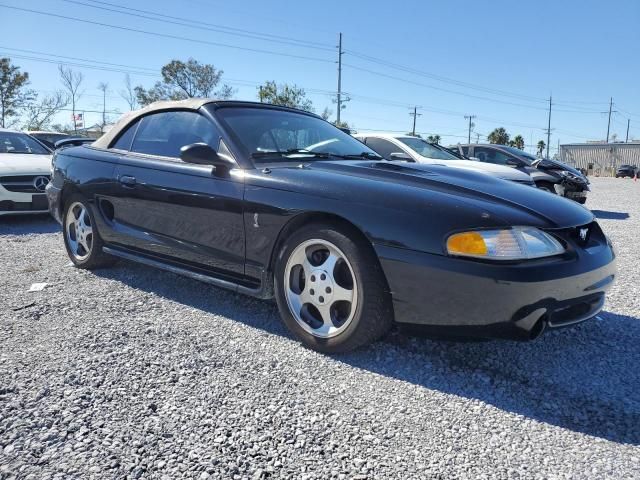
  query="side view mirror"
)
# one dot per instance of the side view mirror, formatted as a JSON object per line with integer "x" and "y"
{"x": 203, "y": 154}
{"x": 401, "y": 156}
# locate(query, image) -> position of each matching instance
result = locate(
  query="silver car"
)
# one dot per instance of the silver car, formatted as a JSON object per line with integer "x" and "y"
{"x": 415, "y": 149}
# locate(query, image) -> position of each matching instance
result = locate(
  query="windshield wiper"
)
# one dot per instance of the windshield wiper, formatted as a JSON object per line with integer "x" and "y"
{"x": 355, "y": 156}
{"x": 291, "y": 151}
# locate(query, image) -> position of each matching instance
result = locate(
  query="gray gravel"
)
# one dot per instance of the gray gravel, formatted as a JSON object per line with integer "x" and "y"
{"x": 134, "y": 373}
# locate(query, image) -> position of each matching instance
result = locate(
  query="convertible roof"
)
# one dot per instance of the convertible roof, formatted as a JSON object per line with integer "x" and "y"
{"x": 189, "y": 104}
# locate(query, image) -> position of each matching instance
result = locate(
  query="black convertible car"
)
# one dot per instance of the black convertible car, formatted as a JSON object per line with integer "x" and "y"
{"x": 275, "y": 202}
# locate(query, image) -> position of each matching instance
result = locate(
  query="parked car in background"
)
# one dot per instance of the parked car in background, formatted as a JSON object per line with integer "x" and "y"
{"x": 48, "y": 138}
{"x": 549, "y": 175}
{"x": 25, "y": 169}
{"x": 275, "y": 202}
{"x": 392, "y": 147}
{"x": 626, "y": 171}
{"x": 56, "y": 140}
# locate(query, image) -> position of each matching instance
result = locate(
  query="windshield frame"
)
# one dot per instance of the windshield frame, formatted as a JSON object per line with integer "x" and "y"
{"x": 279, "y": 159}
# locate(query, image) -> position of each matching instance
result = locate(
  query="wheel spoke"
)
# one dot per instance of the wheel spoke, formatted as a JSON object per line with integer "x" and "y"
{"x": 329, "y": 264}
{"x": 327, "y": 325}
{"x": 82, "y": 218}
{"x": 342, "y": 294}
{"x": 300, "y": 258}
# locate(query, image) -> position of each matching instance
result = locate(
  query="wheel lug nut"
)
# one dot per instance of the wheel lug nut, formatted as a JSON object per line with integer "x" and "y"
{"x": 323, "y": 277}
{"x": 321, "y": 298}
{"x": 328, "y": 289}
{"x": 312, "y": 291}
{"x": 313, "y": 278}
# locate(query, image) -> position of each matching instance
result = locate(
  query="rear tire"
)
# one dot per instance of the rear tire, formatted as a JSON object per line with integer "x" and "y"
{"x": 330, "y": 289}
{"x": 81, "y": 237}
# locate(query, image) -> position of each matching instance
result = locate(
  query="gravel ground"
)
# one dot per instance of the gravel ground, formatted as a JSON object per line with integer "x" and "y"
{"x": 130, "y": 372}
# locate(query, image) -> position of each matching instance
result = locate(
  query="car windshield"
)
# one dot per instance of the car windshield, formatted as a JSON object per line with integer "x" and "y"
{"x": 427, "y": 150}
{"x": 527, "y": 157}
{"x": 13, "y": 142}
{"x": 272, "y": 135}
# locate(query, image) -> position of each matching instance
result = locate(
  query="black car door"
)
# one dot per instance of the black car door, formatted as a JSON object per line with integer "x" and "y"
{"x": 177, "y": 211}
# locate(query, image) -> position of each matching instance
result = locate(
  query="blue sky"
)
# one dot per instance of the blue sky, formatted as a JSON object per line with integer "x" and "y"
{"x": 498, "y": 60}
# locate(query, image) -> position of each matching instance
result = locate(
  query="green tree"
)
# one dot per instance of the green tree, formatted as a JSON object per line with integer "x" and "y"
{"x": 182, "y": 80}
{"x": 285, "y": 95}
{"x": 541, "y": 147}
{"x": 13, "y": 95}
{"x": 434, "y": 139}
{"x": 499, "y": 136}
{"x": 518, "y": 142}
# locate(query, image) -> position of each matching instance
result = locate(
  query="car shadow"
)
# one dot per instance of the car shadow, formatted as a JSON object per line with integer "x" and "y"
{"x": 28, "y": 224}
{"x": 585, "y": 378}
{"x": 608, "y": 215}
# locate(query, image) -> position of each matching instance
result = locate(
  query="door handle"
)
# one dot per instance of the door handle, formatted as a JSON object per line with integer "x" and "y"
{"x": 127, "y": 180}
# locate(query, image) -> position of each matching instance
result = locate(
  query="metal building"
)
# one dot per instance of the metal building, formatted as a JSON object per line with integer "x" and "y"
{"x": 600, "y": 159}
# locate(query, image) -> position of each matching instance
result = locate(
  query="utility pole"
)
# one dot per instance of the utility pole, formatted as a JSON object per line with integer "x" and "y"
{"x": 549, "y": 128}
{"x": 415, "y": 115}
{"x": 470, "y": 117}
{"x": 609, "y": 123}
{"x": 339, "y": 99}
{"x": 628, "y": 123}
{"x": 477, "y": 138}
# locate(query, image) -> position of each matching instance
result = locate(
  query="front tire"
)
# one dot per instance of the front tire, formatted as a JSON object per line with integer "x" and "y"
{"x": 330, "y": 290}
{"x": 81, "y": 237}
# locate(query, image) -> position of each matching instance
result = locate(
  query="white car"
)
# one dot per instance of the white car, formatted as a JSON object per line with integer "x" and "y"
{"x": 25, "y": 170}
{"x": 415, "y": 149}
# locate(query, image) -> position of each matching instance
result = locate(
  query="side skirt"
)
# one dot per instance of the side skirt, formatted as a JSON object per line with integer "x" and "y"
{"x": 261, "y": 292}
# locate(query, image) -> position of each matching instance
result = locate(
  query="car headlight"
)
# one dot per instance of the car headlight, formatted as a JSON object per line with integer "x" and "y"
{"x": 517, "y": 243}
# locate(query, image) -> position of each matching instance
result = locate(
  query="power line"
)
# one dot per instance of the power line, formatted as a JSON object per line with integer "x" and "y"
{"x": 441, "y": 78}
{"x": 191, "y": 23}
{"x": 166, "y": 35}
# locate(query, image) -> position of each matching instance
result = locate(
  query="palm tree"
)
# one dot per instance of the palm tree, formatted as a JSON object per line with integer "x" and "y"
{"x": 434, "y": 139}
{"x": 499, "y": 136}
{"x": 517, "y": 142}
{"x": 541, "y": 147}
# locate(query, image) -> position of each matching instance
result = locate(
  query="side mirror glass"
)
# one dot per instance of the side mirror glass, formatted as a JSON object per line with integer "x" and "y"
{"x": 401, "y": 156}
{"x": 203, "y": 154}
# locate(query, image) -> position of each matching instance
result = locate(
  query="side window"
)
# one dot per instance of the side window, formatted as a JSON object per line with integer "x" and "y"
{"x": 465, "y": 151}
{"x": 491, "y": 155}
{"x": 383, "y": 147}
{"x": 125, "y": 139}
{"x": 164, "y": 133}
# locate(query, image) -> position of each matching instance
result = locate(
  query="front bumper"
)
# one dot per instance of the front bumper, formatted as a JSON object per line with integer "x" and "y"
{"x": 20, "y": 203}
{"x": 518, "y": 301}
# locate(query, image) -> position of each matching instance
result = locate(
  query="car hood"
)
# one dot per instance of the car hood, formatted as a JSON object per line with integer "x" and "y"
{"x": 412, "y": 186}
{"x": 548, "y": 164}
{"x": 24, "y": 163}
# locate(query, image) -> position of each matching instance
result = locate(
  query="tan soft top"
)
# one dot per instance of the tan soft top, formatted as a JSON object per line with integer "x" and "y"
{"x": 189, "y": 104}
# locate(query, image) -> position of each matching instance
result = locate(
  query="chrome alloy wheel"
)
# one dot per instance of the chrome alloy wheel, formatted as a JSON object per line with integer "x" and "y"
{"x": 320, "y": 288}
{"x": 79, "y": 231}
